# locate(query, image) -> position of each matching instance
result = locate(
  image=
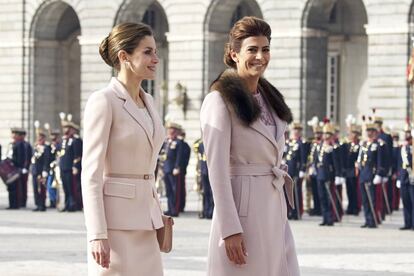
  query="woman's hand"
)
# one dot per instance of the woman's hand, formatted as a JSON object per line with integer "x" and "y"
{"x": 235, "y": 249}
{"x": 100, "y": 252}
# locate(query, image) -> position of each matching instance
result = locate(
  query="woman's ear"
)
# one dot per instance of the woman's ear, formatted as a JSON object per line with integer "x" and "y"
{"x": 233, "y": 56}
{"x": 122, "y": 56}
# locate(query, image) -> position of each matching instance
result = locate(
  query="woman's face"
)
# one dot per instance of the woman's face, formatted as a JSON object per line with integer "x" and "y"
{"x": 253, "y": 57}
{"x": 142, "y": 62}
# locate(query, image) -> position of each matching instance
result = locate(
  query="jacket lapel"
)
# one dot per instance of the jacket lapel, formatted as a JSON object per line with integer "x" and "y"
{"x": 159, "y": 131}
{"x": 132, "y": 109}
{"x": 260, "y": 127}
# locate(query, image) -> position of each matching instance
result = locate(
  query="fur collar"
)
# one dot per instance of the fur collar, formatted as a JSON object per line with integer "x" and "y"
{"x": 236, "y": 96}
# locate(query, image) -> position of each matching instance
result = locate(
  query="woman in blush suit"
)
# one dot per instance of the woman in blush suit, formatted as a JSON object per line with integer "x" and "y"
{"x": 243, "y": 121}
{"x": 122, "y": 137}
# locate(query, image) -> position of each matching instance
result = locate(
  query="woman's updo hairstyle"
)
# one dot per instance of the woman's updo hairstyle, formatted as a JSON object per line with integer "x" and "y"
{"x": 246, "y": 27}
{"x": 125, "y": 36}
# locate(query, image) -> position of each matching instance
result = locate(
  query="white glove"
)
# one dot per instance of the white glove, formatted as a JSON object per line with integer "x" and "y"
{"x": 343, "y": 180}
{"x": 24, "y": 171}
{"x": 312, "y": 170}
{"x": 377, "y": 180}
{"x": 176, "y": 171}
{"x": 384, "y": 179}
{"x": 44, "y": 174}
{"x": 338, "y": 181}
{"x": 398, "y": 184}
{"x": 301, "y": 174}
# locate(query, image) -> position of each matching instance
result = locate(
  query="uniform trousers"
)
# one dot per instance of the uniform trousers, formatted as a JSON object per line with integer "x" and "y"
{"x": 324, "y": 198}
{"x": 208, "y": 203}
{"x": 39, "y": 192}
{"x": 170, "y": 182}
{"x": 351, "y": 191}
{"x": 407, "y": 195}
{"x": 67, "y": 182}
{"x": 368, "y": 192}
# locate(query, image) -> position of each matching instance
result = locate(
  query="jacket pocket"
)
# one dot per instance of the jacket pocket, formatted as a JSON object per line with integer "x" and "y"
{"x": 117, "y": 189}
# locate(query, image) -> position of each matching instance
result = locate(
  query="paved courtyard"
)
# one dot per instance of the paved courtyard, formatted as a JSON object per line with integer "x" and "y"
{"x": 53, "y": 243}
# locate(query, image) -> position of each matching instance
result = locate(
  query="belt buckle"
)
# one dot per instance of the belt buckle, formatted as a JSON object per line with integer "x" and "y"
{"x": 146, "y": 176}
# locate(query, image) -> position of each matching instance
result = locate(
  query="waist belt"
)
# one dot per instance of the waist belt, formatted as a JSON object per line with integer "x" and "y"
{"x": 133, "y": 176}
{"x": 261, "y": 170}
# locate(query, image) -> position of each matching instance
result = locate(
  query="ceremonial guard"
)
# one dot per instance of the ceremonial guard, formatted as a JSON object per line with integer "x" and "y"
{"x": 172, "y": 149}
{"x": 77, "y": 167}
{"x": 351, "y": 155}
{"x": 54, "y": 180}
{"x": 296, "y": 162}
{"x": 404, "y": 174}
{"x": 40, "y": 167}
{"x": 338, "y": 155}
{"x": 311, "y": 168}
{"x": 25, "y": 173}
{"x": 186, "y": 152}
{"x": 17, "y": 154}
{"x": 69, "y": 163}
{"x": 325, "y": 175}
{"x": 202, "y": 172}
{"x": 396, "y": 151}
{"x": 371, "y": 172}
{"x": 387, "y": 188}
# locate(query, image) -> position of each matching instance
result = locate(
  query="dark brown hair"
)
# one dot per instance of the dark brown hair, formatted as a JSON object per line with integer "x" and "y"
{"x": 125, "y": 36}
{"x": 246, "y": 27}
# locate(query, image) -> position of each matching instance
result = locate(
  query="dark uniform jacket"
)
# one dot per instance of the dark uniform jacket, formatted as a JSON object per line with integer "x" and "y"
{"x": 405, "y": 160}
{"x": 371, "y": 160}
{"x": 70, "y": 153}
{"x": 325, "y": 168}
{"x": 388, "y": 145}
{"x": 41, "y": 159}
{"x": 351, "y": 156}
{"x": 173, "y": 149}
{"x": 202, "y": 159}
{"x": 295, "y": 157}
{"x": 185, "y": 158}
{"x": 17, "y": 154}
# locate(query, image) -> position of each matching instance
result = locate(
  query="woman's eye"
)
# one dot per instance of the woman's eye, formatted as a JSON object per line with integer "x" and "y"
{"x": 148, "y": 52}
{"x": 252, "y": 50}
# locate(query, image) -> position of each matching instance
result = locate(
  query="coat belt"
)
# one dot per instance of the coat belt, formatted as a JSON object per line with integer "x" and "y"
{"x": 133, "y": 176}
{"x": 262, "y": 170}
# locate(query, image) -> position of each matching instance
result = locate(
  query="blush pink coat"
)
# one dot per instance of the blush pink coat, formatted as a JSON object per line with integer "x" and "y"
{"x": 247, "y": 186}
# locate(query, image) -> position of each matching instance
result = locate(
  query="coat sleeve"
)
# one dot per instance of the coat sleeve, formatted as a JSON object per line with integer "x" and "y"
{"x": 216, "y": 129}
{"x": 97, "y": 124}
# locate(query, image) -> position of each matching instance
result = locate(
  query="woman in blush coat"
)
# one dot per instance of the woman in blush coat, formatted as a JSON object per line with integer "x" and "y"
{"x": 243, "y": 121}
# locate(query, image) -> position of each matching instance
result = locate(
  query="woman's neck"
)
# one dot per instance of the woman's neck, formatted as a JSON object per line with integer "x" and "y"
{"x": 251, "y": 83}
{"x": 131, "y": 84}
